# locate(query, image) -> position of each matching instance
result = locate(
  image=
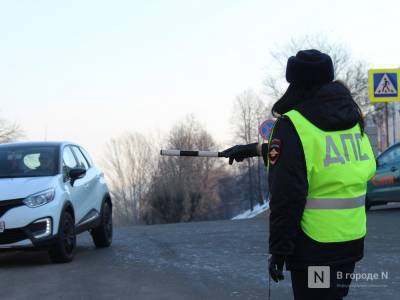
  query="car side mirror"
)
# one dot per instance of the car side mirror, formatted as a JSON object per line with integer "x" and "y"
{"x": 76, "y": 173}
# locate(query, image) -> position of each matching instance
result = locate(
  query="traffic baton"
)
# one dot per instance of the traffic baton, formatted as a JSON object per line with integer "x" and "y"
{"x": 193, "y": 153}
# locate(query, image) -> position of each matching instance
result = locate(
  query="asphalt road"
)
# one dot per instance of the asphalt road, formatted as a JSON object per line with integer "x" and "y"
{"x": 205, "y": 260}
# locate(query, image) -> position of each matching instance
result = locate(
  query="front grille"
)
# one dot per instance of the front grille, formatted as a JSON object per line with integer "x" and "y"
{"x": 12, "y": 236}
{"x": 6, "y": 205}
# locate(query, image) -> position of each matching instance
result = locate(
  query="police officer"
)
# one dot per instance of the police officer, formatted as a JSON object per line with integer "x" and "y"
{"x": 319, "y": 161}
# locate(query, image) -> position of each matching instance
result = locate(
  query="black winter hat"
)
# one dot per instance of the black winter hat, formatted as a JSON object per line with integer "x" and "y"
{"x": 309, "y": 67}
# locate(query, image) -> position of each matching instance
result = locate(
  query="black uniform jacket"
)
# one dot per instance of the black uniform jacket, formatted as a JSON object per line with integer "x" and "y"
{"x": 331, "y": 109}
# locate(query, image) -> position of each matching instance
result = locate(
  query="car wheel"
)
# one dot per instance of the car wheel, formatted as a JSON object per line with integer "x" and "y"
{"x": 64, "y": 248}
{"x": 102, "y": 234}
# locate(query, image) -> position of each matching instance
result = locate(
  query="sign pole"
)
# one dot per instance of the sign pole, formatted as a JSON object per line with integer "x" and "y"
{"x": 394, "y": 122}
{"x": 387, "y": 123}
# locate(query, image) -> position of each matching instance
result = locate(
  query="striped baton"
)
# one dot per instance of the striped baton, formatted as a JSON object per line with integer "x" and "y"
{"x": 195, "y": 153}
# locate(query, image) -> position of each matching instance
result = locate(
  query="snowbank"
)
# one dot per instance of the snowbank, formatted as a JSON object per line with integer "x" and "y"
{"x": 248, "y": 214}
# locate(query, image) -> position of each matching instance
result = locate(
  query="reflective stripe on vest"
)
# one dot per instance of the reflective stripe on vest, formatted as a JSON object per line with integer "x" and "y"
{"x": 335, "y": 203}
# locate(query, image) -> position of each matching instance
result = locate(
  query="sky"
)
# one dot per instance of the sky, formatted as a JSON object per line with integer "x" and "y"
{"x": 87, "y": 71}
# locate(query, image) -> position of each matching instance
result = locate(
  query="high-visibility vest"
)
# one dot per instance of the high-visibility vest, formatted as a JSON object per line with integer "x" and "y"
{"x": 339, "y": 165}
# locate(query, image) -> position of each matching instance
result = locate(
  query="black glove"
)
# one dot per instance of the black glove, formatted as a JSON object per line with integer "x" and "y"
{"x": 240, "y": 152}
{"x": 276, "y": 263}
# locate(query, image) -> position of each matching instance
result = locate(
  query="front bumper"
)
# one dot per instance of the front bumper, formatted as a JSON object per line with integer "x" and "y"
{"x": 18, "y": 245}
{"x": 19, "y": 221}
{"x": 37, "y": 234}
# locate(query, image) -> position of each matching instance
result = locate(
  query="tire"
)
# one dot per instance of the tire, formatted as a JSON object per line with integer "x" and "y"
{"x": 102, "y": 234}
{"x": 63, "y": 250}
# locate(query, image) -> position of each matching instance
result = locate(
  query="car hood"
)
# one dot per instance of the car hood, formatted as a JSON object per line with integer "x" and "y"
{"x": 17, "y": 188}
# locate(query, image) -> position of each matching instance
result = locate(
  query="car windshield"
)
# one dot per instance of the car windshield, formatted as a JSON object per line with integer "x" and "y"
{"x": 28, "y": 161}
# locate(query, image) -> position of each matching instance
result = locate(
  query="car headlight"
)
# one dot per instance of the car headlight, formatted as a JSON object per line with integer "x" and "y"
{"x": 40, "y": 198}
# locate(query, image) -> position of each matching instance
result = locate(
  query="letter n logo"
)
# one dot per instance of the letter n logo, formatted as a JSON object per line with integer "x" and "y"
{"x": 319, "y": 277}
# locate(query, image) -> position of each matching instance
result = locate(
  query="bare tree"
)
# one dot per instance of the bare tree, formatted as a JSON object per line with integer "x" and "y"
{"x": 248, "y": 112}
{"x": 9, "y": 132}
{"x": 184, "y": 188}
{"x": 130, "y": 160}
{"x": 353, "y": 72}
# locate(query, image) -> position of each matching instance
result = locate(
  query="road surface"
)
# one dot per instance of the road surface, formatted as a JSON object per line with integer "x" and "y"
{"x": 205, "y": 260}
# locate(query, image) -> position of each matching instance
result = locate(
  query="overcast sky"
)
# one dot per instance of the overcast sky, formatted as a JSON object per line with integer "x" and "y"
{"x": 91, "y": 70}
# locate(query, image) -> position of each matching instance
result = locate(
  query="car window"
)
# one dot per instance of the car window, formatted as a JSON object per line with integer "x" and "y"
{"x": 28, "y": 161}
{"x": 392, "y": 155}
{"x": 69, "y": 158}
{"x": 82, "y": 163}
{"x": 87, "y": 156}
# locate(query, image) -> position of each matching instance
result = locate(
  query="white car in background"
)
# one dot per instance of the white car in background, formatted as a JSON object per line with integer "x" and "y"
{"x": 49, "y": 192}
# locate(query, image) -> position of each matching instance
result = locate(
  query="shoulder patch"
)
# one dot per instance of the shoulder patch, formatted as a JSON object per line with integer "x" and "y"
{"x": 274, "y": 151}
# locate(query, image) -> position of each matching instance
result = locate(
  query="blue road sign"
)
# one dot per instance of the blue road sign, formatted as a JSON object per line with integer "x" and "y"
{"x": 265, "y": 129}
{"x": 384, "y": 85}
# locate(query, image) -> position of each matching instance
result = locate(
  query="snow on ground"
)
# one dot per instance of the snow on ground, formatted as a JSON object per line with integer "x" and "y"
{"x": 248, "y": 214}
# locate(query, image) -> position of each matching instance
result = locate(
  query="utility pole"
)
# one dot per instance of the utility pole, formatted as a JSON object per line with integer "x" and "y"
{"x": 45, "y": 132}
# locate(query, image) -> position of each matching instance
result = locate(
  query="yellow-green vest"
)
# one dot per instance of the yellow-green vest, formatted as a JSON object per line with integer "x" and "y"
{"x": 339, "y": 164}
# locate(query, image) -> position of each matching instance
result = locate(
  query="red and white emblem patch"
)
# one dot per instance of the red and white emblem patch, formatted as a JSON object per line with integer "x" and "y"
{"x": 274, "y": 151}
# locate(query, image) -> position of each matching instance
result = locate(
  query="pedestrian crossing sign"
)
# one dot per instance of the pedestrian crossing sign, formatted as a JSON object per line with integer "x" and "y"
{"x": 384, "y": 85}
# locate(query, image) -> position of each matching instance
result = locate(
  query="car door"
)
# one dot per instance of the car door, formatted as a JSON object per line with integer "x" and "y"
{"x": 89, "y": 197}
{"x": 78, "y": 191}
{"x": 385, "y": 186}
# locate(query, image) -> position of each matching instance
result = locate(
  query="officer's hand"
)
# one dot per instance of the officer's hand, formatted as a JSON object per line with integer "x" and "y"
{"x": 240, "y": 152}
{"x": 276, "y": 263}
